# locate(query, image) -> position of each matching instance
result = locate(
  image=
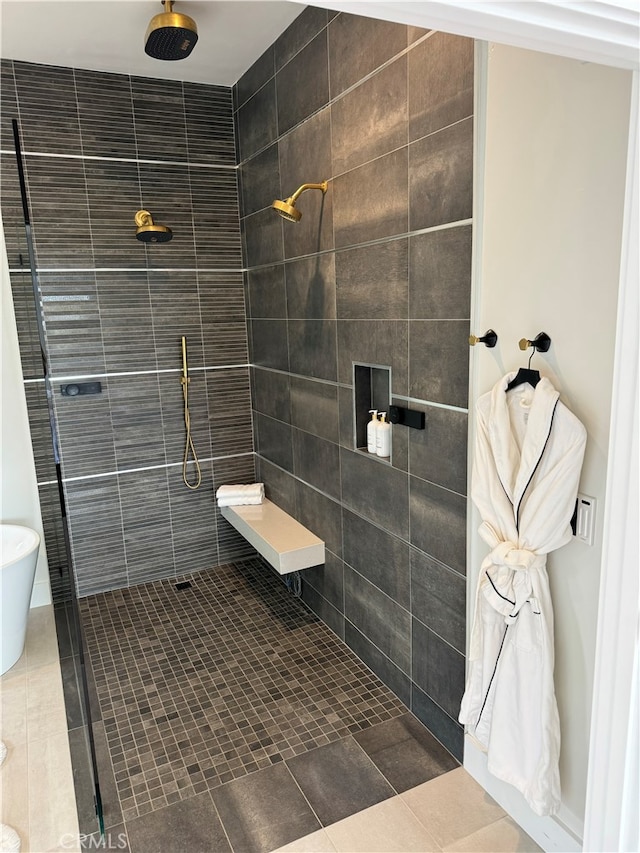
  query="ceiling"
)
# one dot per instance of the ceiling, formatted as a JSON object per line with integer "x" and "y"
{"x": 109, "y": 36}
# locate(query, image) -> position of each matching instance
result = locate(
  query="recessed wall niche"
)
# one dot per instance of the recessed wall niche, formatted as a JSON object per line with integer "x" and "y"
{"x": 371, "y": 390}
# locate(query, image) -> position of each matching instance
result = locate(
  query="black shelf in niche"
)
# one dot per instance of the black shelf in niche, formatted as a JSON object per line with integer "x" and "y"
{"x": 371, "y": 390}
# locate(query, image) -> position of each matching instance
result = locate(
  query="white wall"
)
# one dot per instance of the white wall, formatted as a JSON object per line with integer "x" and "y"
{"x": 550, "y": 214}
{"x": 19, "y": 497}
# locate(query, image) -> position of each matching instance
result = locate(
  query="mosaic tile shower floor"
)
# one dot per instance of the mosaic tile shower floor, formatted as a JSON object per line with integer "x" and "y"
{"x": 204, "y": 685}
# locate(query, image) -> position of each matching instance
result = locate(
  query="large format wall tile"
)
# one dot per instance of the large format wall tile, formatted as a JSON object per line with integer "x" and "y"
{"x": 267, "y": 293}
{"x": 314, "y": 407}
{"x": 302, "y": 85}
{"x": 312, "y": 348}
{"x": 438, "y": 599}
{"x": 378, "y": 556}
{"x": 381, "y": 620}
{"x": 269, "y": 343}
{"x": 260, "y": 180}
{"x": 377, "y": 491}
{"x": 371, "y": 277}
{"x": 273, "y": 441}
{"x": 328, "y": 580}
{"x": 438, "y": 364}
{"x": 382, "y": 665}
{"x": 371, "y": 202}
{"x": 305, "y": 158}
{"x": 299, "y": 33}
{"x": 263, "y": 69}
{"x": 439, "y": 452}
{"x": 371, "y": 120}
{"x": 380, "y": 342}
{"x": 271, "y": 394}
{"x": 446, "y": 61}
{"x": 440, "y": 279}
{"x": 448, "y": 731}
{"x": 358, "y": 45}
{"x": 311, "y": 288}
{"x": 322, "y": 515}
{"x": 441, "y": 177}
{"x": 257, "y": 121}
{"x": 263, "y": 236}
{"x": 317, "y": 462}
{"x": 373, "y": 282}
{"x": 437, "y": 668}
{"x": 438, "y": 523}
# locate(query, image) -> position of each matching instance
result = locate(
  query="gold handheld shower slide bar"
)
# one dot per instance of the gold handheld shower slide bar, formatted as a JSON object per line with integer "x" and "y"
{"x": 184, "y": 380}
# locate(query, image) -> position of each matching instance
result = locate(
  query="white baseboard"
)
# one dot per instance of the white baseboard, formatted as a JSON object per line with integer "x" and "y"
{"x": 548, "y": 832}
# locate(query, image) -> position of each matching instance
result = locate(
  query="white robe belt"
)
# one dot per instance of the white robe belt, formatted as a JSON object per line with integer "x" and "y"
{"x": 506, "y": 580}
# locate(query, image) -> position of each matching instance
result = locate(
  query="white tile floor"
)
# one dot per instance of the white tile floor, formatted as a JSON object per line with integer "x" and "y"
{"x": 449, "y": 813}
{"x": 37, "y": 797}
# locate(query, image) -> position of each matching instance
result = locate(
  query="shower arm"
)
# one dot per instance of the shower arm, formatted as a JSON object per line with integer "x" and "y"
{"x": 323, "y": 186}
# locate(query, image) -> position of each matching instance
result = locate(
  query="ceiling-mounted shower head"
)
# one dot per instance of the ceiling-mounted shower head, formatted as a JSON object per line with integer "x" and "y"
{"x": 169, "y": 35}
{"x": 287, "y": 208}
{"x": 147, "y": 232}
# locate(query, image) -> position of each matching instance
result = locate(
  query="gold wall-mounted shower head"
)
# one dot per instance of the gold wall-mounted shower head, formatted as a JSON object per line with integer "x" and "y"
{"x": 147, "y": 232}
{"x": 287, "y": 208}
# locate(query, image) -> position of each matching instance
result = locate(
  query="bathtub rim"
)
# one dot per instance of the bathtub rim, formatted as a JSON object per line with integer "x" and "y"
{"x": 5, "y": 564}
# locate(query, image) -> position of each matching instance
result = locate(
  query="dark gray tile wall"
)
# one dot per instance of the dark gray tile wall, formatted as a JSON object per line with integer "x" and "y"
{"x": 115, "y": 310}
{"x": 377, "y": 271}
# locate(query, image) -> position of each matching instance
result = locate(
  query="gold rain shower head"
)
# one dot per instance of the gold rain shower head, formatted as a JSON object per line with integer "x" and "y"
{"x": 287, "y": 208}
{"x": 170, "y": 35}
{"x": 147, "y": 232}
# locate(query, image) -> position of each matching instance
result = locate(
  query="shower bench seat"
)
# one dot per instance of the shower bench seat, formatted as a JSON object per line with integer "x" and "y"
{"x": 284, "y": 543}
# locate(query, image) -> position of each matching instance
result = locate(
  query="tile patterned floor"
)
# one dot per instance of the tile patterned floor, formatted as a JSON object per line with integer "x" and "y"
{"x": 236, "y": 722}
{"x": 204, "y": 685}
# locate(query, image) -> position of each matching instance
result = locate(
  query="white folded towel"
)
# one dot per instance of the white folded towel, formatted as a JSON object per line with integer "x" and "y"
{"x": 239, "y": 495}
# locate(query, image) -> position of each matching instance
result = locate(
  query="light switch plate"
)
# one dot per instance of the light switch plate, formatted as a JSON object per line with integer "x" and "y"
{"x": 586, "y": 519}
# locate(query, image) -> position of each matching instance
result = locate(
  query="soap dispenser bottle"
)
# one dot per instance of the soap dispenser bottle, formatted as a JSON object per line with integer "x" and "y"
{"x": 383, "y": 437}
{"x": 372, "y": 429}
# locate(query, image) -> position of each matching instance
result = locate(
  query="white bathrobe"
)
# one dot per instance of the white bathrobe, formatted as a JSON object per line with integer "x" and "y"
{"x": 528, "y": 456}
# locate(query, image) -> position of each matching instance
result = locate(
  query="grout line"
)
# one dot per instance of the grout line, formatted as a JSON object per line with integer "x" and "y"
{"x": 145, "y": 270}
{"x": 122, "y": 471}
{"x": 74, "y": 377}
{"x": 139, "y": 161}
{"x": 430, "y": 230}
{"x": 357, "y": 513}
